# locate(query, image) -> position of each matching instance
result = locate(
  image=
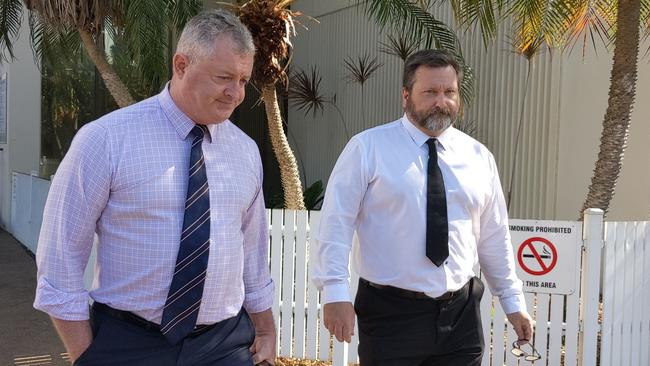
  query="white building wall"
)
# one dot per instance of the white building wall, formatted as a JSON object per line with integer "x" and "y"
{"x": 501, "y": 89}
{"x": 319, "y": 139}
{"x": 565, "y": 104}
{"x": 585, "y": 88}
{"x": 22, "y": 151}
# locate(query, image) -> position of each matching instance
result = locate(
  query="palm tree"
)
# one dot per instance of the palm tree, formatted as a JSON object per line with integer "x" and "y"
{"x": 622, "y": 91}
{"x": 271, "y": 23}
{"x": 145, "y": 30}
{"x": 561, "y": 23}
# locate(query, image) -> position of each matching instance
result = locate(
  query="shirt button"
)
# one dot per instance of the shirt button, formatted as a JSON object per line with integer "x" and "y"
{"x": 446, "y": 262}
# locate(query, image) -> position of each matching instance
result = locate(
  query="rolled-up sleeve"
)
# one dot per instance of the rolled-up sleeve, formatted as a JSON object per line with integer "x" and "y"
{"x": 495, "y": 250}
{"x": 78, "y": 194}
{"x": 258, "y": 285}
{"x": 331, "y": 249}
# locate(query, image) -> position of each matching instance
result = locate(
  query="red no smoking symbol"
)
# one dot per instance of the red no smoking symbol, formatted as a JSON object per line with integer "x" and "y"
{"x": 540, "y": 259}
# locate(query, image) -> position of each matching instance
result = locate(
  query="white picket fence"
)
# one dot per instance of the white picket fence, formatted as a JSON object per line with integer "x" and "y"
{"x": 567, "y": 328}
{"x": 626, "y": 295}
{"x": 568, "y": 331}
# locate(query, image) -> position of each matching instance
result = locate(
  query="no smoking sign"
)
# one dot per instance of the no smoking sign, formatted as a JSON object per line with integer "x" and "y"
{"x": 537, "y": 256}
{"x": 546, "y": 255}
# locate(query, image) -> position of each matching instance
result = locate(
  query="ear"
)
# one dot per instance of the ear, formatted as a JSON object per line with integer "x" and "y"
{"x": 405, "y": 96}
{"x": 179, "y": 64}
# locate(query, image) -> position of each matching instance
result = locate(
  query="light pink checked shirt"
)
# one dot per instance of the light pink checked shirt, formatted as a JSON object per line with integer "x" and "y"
{"x": 125, "y": 177}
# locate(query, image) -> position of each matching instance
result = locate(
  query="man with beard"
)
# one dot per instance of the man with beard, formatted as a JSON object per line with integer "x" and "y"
{"x": 426, "y": 204}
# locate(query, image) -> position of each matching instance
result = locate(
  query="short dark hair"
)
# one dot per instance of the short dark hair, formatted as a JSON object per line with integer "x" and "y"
{"x": 429, "y": 58}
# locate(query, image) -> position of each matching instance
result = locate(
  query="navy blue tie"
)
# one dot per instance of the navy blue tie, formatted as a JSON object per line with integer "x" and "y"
{"x": 437, "y": 229}
{"x": 184, "y": 297}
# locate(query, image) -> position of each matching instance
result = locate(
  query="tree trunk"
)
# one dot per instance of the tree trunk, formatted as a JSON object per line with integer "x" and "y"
{"x": 616, "y": 123}
{"x": 289, "y": 174}
{"x": 113, "y": 83}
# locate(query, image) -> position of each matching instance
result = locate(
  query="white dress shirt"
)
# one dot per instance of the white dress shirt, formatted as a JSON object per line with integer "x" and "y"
{"x": 125, "y": 177}
{"x": 378, "y": 189}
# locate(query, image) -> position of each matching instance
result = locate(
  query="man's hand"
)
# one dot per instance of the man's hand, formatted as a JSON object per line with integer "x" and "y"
{"x": 76, "y": 336}
{"x": 263, "y": 348}
{"x": 523, "y": 326}
{"x": 339, "y": 320}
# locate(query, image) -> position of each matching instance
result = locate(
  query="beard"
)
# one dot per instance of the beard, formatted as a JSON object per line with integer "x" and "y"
{"x": 437, "y": 120}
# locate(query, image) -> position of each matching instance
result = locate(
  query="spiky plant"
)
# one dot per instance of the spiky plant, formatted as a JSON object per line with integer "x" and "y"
{"x": 271, "y": 24}
{"x": 400, "y": 46}
{"x": 305, "y": 95}
{"x": 361, "y": 70}
{"x": 304, "y": 91}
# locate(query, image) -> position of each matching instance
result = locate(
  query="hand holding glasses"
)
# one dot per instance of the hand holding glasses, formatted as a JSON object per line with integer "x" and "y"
{"x": 531, "y": 355}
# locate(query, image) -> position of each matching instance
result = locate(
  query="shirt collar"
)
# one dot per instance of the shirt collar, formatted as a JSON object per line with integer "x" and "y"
{"x": 181, "y": 122}
{"x": 420, "y": 138}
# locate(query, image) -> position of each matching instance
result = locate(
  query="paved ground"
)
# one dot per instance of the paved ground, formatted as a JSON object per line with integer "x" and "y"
{"x": 27, "y": 337}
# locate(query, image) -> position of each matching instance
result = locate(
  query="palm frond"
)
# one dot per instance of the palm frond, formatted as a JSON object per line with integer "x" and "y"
{"x": 591, "y": 19}
{"x": 11, "y": 13}
{"x": 424, "y": 4}
{"x": 487, "y": 13}
{"x": 645, "y": 22}
{"x": 361, "y": 69}
{"x": 54, "y": 43}
{"x": 408, "y": 18}
{"x": 467, "y": 126}
{"x": 180, "y": 11}
{"x": 82, "y": 14}
{"x": 467, "y": 84}
{"x": 146, "y": 32}
{"x": 539, "y": 23}
{"x": 305, "y": 93}
{"x": 399, "y": 46}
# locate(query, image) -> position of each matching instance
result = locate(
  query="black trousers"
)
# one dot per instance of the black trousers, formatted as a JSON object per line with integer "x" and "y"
{"x": 398, "y": 331}
{"x": 125, "y": 343}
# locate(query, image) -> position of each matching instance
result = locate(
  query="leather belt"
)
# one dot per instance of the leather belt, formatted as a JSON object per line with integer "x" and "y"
{"x": 141, "y": 322}
{"x": 408, "y": 293}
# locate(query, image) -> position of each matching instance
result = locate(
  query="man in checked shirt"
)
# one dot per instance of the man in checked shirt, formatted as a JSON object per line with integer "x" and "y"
{"x": 127, "y": 177}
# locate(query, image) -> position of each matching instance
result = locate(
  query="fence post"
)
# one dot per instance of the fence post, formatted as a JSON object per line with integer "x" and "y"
{"x": 592, "y": 235}
{"x": 340, "y": 353}
{"x": 32, "y": 176}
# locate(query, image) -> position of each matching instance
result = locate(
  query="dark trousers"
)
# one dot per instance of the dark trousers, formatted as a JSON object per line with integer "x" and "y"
{"x": 399, "y": 331}
{"x": 120, "y": 342}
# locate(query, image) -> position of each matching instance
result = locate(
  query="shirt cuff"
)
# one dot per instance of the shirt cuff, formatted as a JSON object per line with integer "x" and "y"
{"x": 260, "y": 300}
{"x": 339, "y": 292}
{"x": 513, "y": 304}
{"x": 59, "y": 304}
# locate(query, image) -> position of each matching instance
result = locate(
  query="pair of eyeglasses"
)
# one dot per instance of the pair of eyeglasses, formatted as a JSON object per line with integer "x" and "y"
{"x": 531, "y": 355}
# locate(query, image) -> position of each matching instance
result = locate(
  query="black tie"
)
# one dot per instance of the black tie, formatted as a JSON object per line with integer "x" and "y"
{"x": 437, "y": 229}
